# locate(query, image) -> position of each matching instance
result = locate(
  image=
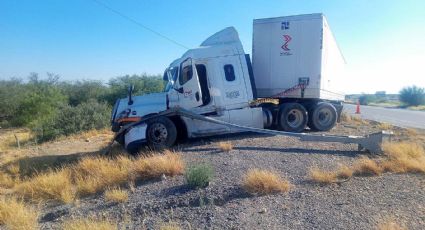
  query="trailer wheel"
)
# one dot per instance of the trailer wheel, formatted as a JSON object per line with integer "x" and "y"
{"x": 292, "y": 117}
{"x": 322, "y": 117}
{"x": 161, "y": 133}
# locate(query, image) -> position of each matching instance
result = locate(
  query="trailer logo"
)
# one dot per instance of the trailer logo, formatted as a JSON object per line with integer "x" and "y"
{"x": 287, "y": 39}
{"x": 285, "y": 48}
{"x": 284, "y": 26}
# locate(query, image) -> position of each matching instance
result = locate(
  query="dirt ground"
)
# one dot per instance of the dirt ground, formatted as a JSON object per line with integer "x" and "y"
{"x": 359, "y": 203}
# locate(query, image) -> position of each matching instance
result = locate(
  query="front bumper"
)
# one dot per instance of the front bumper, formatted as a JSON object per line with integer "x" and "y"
{"x": 135, "y": 135}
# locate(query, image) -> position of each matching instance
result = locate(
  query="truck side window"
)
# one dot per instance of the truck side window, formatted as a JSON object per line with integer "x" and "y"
{"x": 229, "y": 72}
{"x": 186, "y": 74}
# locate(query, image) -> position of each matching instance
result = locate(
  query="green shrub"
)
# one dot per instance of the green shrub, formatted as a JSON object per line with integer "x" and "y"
{"x": 53, "y": 108}
{"x": 199, "y": 176}
{"x": 143, "y": 84}
{"x": 73, "y": 119}
{"x": 11, "y": 95}
{"x": 27, "y": 103}
{"x": 412, "y": 96}
{"x": 83, "y": 91}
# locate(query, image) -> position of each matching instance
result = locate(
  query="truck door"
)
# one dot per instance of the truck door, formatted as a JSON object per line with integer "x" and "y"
{"x": 190, "y": 89}
{"x": 234, "y": 90}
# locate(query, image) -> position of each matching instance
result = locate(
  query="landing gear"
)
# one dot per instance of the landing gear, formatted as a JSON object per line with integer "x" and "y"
{"x": 292, "y": 117}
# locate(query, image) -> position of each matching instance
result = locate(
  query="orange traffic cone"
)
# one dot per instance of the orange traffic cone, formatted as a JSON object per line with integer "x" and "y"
{"x": 358, "y": 108}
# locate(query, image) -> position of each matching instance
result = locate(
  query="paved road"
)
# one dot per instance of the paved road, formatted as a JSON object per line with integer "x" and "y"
{"x": 398, "y": 117}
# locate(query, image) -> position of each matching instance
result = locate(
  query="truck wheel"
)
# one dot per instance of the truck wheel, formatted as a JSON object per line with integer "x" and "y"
{"x": 161, "y": 132}
{"x": 322, "y": 117}
{"x": 292, "y": 117}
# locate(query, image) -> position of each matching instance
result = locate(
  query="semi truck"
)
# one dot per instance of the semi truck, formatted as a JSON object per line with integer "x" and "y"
{"x": 292, "y": 83}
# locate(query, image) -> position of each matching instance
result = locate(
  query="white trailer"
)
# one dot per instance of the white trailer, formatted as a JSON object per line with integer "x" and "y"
{"x": 287, "y": 51}
{"x": 288, "y": 87}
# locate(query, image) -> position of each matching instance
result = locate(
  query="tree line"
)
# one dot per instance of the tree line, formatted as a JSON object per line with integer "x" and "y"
{"x": 52, "y": 107}
{"x": 408, "y": 96}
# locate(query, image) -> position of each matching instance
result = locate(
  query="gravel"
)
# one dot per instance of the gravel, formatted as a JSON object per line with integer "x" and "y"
{"x": 359, "y": 203}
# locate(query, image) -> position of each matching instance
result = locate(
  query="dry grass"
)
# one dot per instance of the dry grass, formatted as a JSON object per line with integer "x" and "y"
{"x": 344, "y": 172}
{"x": 154, "y": 166}
{"x": 411, "y": 132}
{"x": 87, "y": 135}
{"x": 384, "y": 126}
{"x": 345, "y": 117}
{"x": 15, "y": 214}
{"x": 8, "y": 140}
{"x": 54, "y": 185}
{"x": 6, "y": 181}
{"x": 225, "y": 146}
{"x": 93, "y": 175}
{"x": 358, "y": 120}
{"x": 322, "y": 177}
{"x": 404, "y": 157}
{"x": 327, "y": 177}
{"x": 170, "y": 226}
{"x": 365, "y": 166}
{"x": 257, "y": 181}
{"x": 389, "y": 225}
{"x": 116, "y": 195}
{"x": 352, "y": 119}
{"x": 92, "y": 224}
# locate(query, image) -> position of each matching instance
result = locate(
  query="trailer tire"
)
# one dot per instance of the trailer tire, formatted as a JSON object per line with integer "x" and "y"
{"x": 322, "y": 117}
{"x": 161, "y": 133}
{"x": 292, "y": 117}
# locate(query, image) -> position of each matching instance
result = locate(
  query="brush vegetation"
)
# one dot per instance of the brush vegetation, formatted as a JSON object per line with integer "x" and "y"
{"x": 404, "y": 157}
{"x": 199, "y": 176}
{"x": 390, "y": 225}
{"x": 156, "y": 165}
{"x": 326, "y": 177}
{"x": 117, "y": 195}
{"x": 52, "y": 108}
{"x": 93, "y": 175}
{"x": 261, "y": 182}
{"x": 225, "y": 146}
{"x": 365, "y": 166}
{"x": 401, "y": 157}
{"x": 15, "y": 215}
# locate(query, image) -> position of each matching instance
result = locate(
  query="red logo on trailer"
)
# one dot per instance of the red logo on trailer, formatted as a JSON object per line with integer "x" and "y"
{"x": 287, "y": 39}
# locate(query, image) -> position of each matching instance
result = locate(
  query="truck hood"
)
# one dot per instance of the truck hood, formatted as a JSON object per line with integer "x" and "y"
{"x": 142, "y": 106}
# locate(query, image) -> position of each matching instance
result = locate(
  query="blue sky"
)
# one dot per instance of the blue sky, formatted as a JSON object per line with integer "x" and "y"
{"x": 383, "y": 41}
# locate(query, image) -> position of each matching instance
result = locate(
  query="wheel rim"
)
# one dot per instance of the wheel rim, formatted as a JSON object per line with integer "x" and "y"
{"x": 294, "y": 118}
{"x": 158, "y": 133}
{"x": 324, "y": 117}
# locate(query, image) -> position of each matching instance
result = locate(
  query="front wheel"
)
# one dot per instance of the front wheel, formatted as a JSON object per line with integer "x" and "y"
{"x": 161, "y": 133}
{"x": 292, "y": 117}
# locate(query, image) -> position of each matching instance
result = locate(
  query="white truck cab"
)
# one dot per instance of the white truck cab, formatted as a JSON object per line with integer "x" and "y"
{"x": 217, "y": 80}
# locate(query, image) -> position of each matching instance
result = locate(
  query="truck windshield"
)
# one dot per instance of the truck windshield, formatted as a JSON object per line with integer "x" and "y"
{"x": 170, "y": 75}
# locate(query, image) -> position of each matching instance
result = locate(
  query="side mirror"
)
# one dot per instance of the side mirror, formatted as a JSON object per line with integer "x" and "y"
{"x": 130, "y": 94}
{"x": 180, "y": 90}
